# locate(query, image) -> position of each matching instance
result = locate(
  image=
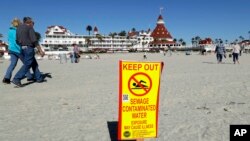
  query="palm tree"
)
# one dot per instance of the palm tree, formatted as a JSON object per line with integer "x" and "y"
{"x": 122, "y": 43}
{"x": 175, "y": 40}
{"x": 1, "y": 35}
{"x": 143, "y": 43}
{"x": 197, "y": 39}
{"x": 241, "y": 38}
{"x": 122, "y": 33}
{"x": 193, "y": 41}
{"x": 88, "y": 41}
{"x": 112, "y": 35}
{"x": 226, "y": 41}
{"x": 181, "y": 41}
{"x": 184, "y": 43}
{"x": 89, "y": 28}
{"x": 99, "y": 37}
{"x": 133, "y": 29}
{"x": 236, "y": 40}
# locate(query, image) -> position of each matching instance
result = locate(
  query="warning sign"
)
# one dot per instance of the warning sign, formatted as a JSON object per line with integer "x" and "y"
{"x": 139, "y": 84}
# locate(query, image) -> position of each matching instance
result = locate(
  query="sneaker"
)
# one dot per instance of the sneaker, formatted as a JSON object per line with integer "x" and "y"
{"x": 6, "y": 81}
{"x": 18, "y": 84}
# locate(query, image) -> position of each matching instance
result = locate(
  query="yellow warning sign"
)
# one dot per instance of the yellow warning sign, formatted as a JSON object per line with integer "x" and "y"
{"x": 139, "y": 84}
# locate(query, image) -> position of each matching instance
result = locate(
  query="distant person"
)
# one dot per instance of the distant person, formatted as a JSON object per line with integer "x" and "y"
{"x": 220, "y": 52}
{"x": 72, "y": 57}
{"x": 145, "y": 55}
{"x": 15, "y": 52}
{"x": 76, "y": 53}
{"x": 164, "y": 52}
{"x": 203, "y": 52}
{"x": 27, "y": 39}
{"x": 236, "y": 52}
{"x": 96, "y": 56}
{"x": 62, "y": 57}
{"x": 169, "y": 50}
{"x": 241, "y": 49}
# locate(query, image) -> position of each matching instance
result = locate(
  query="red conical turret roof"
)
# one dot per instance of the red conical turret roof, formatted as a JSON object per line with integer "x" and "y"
{"x": 95, "y": 29}
{"x": 160, "y": 30}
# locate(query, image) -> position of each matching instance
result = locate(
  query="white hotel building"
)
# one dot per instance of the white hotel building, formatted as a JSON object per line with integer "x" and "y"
{"x": 59, "y": 38}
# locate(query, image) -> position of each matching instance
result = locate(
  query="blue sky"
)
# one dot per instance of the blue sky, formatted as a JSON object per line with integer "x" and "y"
{"x": 225, "y": 19}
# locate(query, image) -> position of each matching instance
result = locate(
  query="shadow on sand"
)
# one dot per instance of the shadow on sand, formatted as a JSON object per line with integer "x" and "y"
{"x": 216, "y": 63}
{"x": 46, "y": 75}
{"x": 113, "y": 128}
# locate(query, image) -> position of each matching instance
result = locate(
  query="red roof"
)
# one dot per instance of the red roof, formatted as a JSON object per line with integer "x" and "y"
{"x": 61, "y": 27}
{"x": 245, "y": 42}
{"x": 160, "y": 18}
{"x": 161, "y": 32}
{"x": 133, "y": 33}
{"x": 95, "y": 29}
{"x": 206, "y": 41}
{"x": 159, "y": 42}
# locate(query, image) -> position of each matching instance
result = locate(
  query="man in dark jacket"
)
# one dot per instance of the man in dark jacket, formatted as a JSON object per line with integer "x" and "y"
{"x": 220, "y": 52}
{"x": 27, "y": 39}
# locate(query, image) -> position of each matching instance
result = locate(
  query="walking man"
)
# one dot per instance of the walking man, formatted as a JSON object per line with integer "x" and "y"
{"x": 27, "y": 39}
{"x": 220, "y": 52}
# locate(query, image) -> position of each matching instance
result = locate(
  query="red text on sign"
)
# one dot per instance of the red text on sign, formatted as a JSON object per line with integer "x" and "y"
{"x": 132, "y": 66}
{"x": 150, "y": 67}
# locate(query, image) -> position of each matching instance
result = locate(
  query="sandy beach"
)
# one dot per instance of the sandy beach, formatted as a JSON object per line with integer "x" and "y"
{"x": 199, "y": 99}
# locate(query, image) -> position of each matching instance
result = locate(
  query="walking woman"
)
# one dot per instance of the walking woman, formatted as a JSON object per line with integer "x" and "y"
{"x": 14, "y": 51}
{"x": 236, "y": 52}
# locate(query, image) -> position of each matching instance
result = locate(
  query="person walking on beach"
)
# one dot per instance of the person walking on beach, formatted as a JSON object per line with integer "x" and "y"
{"x": 15, "y": 52}
{"x": 241, "y": 49}
{"x": 72, "y": 57}
{"x": 76, "y": 53}
{"x": 145, "y": 55}
{"x": 169, "y": 50}
{"x": 236, "y": 52}
{"x": 220, "y": 52}
{"x": 27, "y": 39}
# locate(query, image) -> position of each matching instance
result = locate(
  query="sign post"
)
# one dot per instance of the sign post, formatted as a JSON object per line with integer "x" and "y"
{"x": 139, "y": 84}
